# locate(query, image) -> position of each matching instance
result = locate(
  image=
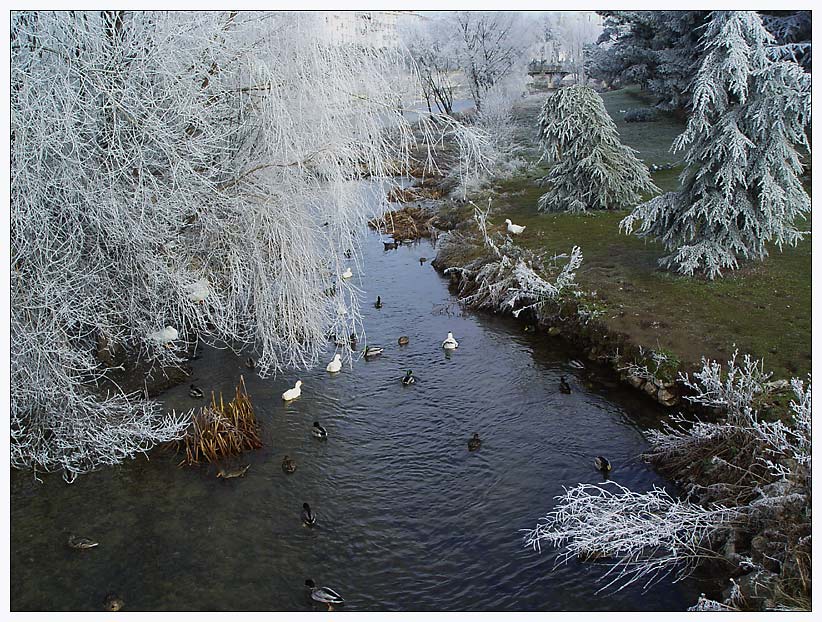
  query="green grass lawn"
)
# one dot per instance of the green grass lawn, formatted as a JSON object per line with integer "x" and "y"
{"x": 763, "y": 309}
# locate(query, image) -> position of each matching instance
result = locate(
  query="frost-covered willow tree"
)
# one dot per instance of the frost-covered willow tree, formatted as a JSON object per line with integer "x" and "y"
{"x": 590, "y": 167}
{"x": 743, "y": 142}
{"x": 180, "y": 176}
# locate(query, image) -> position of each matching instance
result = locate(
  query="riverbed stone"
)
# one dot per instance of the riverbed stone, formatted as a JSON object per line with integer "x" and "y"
{"x": 554, "y": 331}
{"x": 650, "y": 388}
{"x": 666, "y": 397}
{"x": 635, "y": 381}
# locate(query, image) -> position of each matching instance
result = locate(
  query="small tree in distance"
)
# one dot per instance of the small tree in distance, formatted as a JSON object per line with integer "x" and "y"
{"x": 591, "y": 169}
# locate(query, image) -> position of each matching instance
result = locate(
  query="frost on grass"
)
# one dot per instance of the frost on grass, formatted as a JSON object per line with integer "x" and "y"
{"x": 743, "y": 144}
{"x": 202, "y": 171}
{"x": 502, "y": 276}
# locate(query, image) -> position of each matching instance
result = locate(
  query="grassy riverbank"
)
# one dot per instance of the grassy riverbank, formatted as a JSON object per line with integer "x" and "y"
{"x": 763, "y": 309}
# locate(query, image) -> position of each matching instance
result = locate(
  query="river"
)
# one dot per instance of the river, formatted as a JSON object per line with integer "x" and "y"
{"x": 408, "y": 518}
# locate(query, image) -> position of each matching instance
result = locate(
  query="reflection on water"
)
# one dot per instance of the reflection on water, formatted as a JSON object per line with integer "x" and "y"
{"x": 408, "y": 518}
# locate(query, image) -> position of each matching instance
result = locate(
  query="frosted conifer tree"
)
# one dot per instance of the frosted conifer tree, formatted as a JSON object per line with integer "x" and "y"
{"x": 591, "y": 168}
{"x": 741, "y": 186}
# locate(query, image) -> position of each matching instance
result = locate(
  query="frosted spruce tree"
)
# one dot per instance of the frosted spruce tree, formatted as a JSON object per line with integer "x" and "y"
{"x": 741, "y": 187}
{"x": 180, "y": 177}
{"x": 591, "y": 168}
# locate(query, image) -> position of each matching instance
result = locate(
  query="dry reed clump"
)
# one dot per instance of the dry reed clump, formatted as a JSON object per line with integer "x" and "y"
{"x": 221, "y": 430}
{"x": 408, "y": 223}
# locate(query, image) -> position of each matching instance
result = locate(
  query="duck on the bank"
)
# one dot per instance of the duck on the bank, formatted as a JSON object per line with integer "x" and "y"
{"x": 195, "y": 392}
{"x": 289, "y": 465}
{"x": 250, "y": 363}
{"x": 227, "y": 473}
{"x": 335, "y": 365}
{"x": 372, "y": 351}
{"x": 378, "y": 304}
{"x": 450, "y": 343}
{"x": 512, "y": 228}
{"x": 564, "y": 387}
{"x": 79, "y": 542}
{"x": 403, "y": 341}
{"x": 308, "y": 517}
{"x": 319, "y": 431}
{"x": 602, "y": 464}
{"x": 324, "y": 595}
{"x": 347, "y": 274}
{"x": 474, "y": 442}
{"x": 293, "y": 394}
{"x": 112, "y": 602}
{"x": 165, "y": 336}
{"x": 409, "y": 378}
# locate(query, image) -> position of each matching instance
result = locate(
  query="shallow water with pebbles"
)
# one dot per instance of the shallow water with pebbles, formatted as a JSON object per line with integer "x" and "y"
{"x": 408, "y": 518}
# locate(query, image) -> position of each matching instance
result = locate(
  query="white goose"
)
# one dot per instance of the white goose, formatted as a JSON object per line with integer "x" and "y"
{"x": 347, "y": 274}
{"x": 293, "y": 394}
{"x": 450, "y": 343}
{"x": 198, "y": 291}
{"x": 512, "y": 228}
{"x": 165, "y": 336}
{"x": 335, "y": 365}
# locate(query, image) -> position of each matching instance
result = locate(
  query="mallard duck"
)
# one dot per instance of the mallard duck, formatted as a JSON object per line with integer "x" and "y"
{"x": 335, "y": 365}
{"x": 512, "y": 228}
{"x": 195, "y": 392}
{"x": 602, "y": 464}
{"x": 378, "y": 304}
{"x": 165, "y": 336}
{"x": 226, "y": 473}
{"x": 389, "y": 245}
{"x": 409, "y": 378}
{"x": 308, "y": 517}
{"x": 423, "y": 260}
{"x": 79, "y": 542}
{"x": 372, "y": 351}
{"x": 112, "y": 602}
{"x": 347, "y": 254}
{"x": 403, "y": 341}
{"x": 564, "y": 387}
{"x": 250, "y": 363}
{"x": 450, "y": 343}
{"x": 474, "y": 442}
{"x": 289, "y": 465}
{"x": 293, "y": 394}
{"x": 347, "y": 274}
{"x": 324, "y": 595}
{"x": 319, "y": 431}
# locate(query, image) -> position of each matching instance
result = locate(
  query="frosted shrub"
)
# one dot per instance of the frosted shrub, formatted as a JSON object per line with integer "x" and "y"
{"x": 202, "y": 171}
{"x": 590, "y": 167}
{"x": 741, "y": 186}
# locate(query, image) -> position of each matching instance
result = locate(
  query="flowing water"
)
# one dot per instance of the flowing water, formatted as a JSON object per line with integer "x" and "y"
{"x": 408, "y": 518}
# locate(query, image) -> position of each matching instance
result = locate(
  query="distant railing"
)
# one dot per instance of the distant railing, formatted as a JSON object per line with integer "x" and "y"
{"x": 538, "y": 66}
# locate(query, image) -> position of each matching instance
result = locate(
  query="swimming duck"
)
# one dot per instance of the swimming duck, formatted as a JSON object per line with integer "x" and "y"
{"x": 450, "y": 343}
{"x": 602, "y": 464}
{"x": 319, "y": 431}
{"x": 564, "y": 387}
{"x": 226, "y": 473}
{"x": 409, "y": 378}
{"x": 347, "y": 274}
{"x": 512, "y": 228}
{"x": 79, "y": 542}
{"x": 324, "y": 595}
{"x": 474, "y": 442}
{"x": 372, "y": 351}
{"x": 195, "y": 392}
{"x": 423, "y": 260}
{"x": 378, "y": 304}
{"x": 289, "y": 465}
{"x": 335, "y": 365}
{"x": 113, "y": 602}
{"x": 250, "y": 363}
{"x": 293, "y": 394}
{"x": 389, "y": 245}
{"x": 403, "y": 341}
{"x": 308, "y": 517}
{"x": 165, "y": 336}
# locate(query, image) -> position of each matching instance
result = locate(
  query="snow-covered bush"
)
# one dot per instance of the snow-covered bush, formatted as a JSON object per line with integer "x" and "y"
{"x": 180, "y": 176}
{"x": 741, "y": 188}
{"x": 590, "y": 167}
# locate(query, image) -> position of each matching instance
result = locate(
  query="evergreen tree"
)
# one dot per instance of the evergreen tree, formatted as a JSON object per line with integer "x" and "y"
{"x": 741, "y": 186}
{"x": 591, "y": 169}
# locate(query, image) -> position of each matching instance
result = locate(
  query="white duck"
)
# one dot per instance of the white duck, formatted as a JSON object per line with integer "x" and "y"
{"x": 198, "y": 291}
{"x": 165, "y": 336}
{"x": 347, "y": 274}
{"x": 450, "y": 343}
{"x": 293, "y": 394}
{"x": 512, "y": 228}
{"x": 335, "y": 365}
